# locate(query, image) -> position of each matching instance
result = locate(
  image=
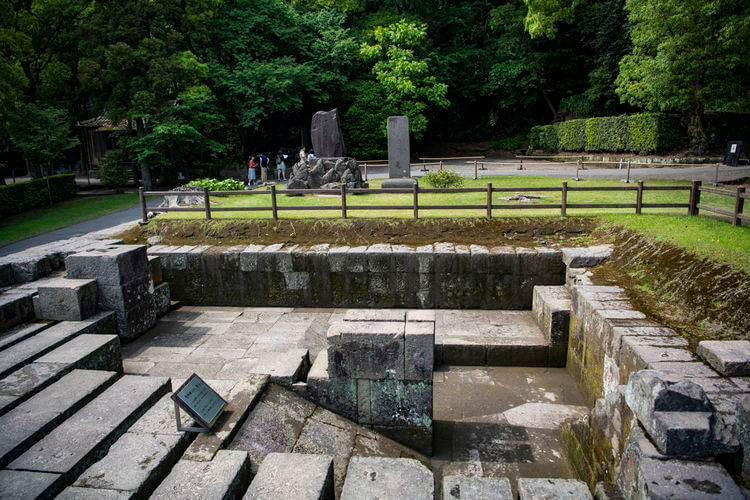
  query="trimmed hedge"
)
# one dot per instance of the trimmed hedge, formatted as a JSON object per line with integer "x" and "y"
{"x": 639, "y": 133}
{"x": 22, "y": 196}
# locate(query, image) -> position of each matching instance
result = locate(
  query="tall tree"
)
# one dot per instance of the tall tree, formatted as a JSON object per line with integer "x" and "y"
{"x": 688, "y": 56}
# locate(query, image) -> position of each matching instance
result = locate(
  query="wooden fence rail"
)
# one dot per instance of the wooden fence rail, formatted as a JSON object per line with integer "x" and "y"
{"x": 736, "y": 217}
{"x": 693, "y": 205}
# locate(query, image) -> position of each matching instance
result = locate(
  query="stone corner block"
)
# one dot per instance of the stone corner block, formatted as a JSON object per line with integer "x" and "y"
{"x": 65, "y": 299}
{"x": 729, "y": 357}
{"x": 586, "y": 256}
{"x": 562, "y": 489}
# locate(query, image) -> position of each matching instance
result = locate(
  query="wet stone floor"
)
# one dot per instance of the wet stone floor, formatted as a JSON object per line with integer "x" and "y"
{"x": 488, "y": 420}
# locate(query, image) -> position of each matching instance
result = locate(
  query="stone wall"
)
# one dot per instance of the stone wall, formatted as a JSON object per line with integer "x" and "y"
{"x": 442, "y": 275}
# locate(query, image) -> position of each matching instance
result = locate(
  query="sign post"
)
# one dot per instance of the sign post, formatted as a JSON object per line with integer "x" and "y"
{"x": 199, "y": 401}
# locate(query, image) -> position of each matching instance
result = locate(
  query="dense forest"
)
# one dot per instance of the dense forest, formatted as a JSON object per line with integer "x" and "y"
{"x": 208, "y": 81}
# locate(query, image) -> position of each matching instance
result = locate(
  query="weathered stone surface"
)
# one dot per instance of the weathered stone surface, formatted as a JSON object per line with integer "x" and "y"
{"x": 476, "y": 488}
{"x": 377, "y": 478}
{"x": 419, "y": 350}
{"x": 22, "y": 332}
{"x": 226, "y": 476}
{"x": 112, "y": 265}
{"x": 375, "y": 315}
{"x": 162, "y": 300}
{"x": 339, "y": 395}
{"x": 65, "y": 299}
{"x": 552, "y": 306}
{"x": 401, "y": 403}
{"x": 136, "y": 463}
{"x": 284, "y": 368}
{"x": 22, "y": 484}
{"x": 325, "y": 131}
{"x": 34, "y": 418}
{"x": 366, "y": 349}
{"x": 77, "y": 493}
{"x": 27, "y": 381}
{"x": 399, "y": 153}
{"x": 155, "y": 270}
{"x": 16, "y": 307}
{"x": 240, "y": 401}
{"x": 543, "y": 488}
{"x": 88, "y": 351}
{"x": 293, "y": 476}
{"x": 74, "y": 444}
{"x": 728, "y": 357}
{"x": 586, "y": 256}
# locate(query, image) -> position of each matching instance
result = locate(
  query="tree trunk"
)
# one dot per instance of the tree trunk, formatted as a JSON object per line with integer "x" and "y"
{"x": 145, "y": 172}
{"x": 694, "y": 125}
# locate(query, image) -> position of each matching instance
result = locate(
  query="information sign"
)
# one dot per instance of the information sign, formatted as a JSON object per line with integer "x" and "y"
{"x": 200, "y": 402}
{"x": 733, "y": 152}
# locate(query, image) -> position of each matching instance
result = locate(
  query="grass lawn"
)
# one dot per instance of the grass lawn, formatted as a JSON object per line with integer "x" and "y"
{"x": 63, "y": 214}
{"x": 713, "y": 239}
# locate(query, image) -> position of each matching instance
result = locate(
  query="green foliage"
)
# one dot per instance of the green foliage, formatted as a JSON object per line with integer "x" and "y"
{"x": 638, "y": 133}
{"x": 22, "y": 196}
{"x": 688, "y": 56}
{"x": 511, "y": 143}
{"x": 218, "y": 185}
{"x": 41, "y": 133}
{"x": 111, "y": 171}
{"x": 543, "y": 15}
{"x": 365, "y": 120}
{"x": 405, "y": 78}
{"x": 443, "y": 178}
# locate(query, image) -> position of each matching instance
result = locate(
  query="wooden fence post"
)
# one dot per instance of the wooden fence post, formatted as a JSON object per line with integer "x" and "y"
{"x": 365, "y": 171}
{"x": 207, "y": 201}
{"x": 583, "y": 167}
{"x": 142, "y": 196}
{"x": 343, "y": 201}
{"x": 274, "y": 211}
{"x": 695, "y": 197}
{"x": 475, "y": 170}
{"x": 415, "y": 196}
{"x": 489, "y": 200}
{"x": 639, "y": 198}
{"x": 739, "y": 203}
{"x": 716, "y": 175}
{"x": 564, "y": 201}
{"x": 627, "y": 181}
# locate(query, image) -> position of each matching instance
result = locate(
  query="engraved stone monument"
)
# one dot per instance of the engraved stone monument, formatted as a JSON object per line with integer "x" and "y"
{"x": 398, "y": 154}
{"x": 325, "y": 131}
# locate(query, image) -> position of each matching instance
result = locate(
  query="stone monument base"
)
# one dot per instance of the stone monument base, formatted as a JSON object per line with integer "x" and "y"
{"x": 399, "y": 183}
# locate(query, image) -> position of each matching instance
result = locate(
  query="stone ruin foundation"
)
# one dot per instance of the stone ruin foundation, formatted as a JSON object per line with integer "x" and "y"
{"x": 326, "y": 173}
{"x": 665, "y": 422}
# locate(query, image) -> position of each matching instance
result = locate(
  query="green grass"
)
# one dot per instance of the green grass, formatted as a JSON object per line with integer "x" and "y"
{"x": 62, "y": 214}
{"x": 547, "y": 198}
{"x": 712, "y": 239}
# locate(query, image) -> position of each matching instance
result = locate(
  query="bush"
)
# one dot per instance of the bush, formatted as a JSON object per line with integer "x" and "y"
{"x": 217, "y": 185}
{"x": 22, "y": 196}
{"x": 511, "y": 143}
{"x": 111, "y": 171}
{"x": 443, "y": 179}
{"x": 638, "y": 133}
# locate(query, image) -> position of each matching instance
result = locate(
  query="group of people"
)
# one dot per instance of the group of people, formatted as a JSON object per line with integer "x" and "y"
{"x": 261, "y": 160}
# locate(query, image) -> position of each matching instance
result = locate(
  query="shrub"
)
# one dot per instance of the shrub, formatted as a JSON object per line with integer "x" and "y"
{"x": 22, "y": 196}
{"x": 219, "y": 185}
{"x": 443, "y": 179}
{"x": 511, "y": 143}
{"x": 111, "y": 171}
{"x": 544, "y": 137}
{"x": 608, "y": 133}
{"x": 572, "y": 135}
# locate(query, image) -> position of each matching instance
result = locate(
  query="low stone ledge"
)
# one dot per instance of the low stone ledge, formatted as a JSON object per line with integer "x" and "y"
{"x": 586, "y": 256}
{"x": 728, "y": 357}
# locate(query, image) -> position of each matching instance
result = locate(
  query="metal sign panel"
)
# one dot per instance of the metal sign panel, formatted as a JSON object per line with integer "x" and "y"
{"x": 200, "y": 402}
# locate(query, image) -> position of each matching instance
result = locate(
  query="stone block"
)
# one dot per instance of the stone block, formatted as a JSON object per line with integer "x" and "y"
{"x": 425, "y": 259}
{"x": 398, "y": 403}
{"x": 112, "y": 265}
{"x": 398, "y": 147}
{"x": 293, "y": 476}
{"x": 420, "y": 315}
{"x": 552, "y": 306}
{"x": 445, "y": 258}
{"x": 419, "y": 350}
{"x": 124, "y": 297}
{"x": 376, "y": 477}
{"x": 18, "y": 484}
{"x": 28, "y": 268}
{"x": 249, "y": 258}
{"x": 6, "y": 274}
{"x": 731, "y": 358}
{"x": 16, "y": 308}
{"x": 162, "y": 299}
{"x": 340, "y": 395}
{"x": 380, "y": 258}
{"x": 356, "y": 260}
{"x": 586, "y": 256}
{"x": 476, "y": 488}
{"x": 68, "y": 299}
{"x": 366, "y": 349}
{"x": 284, "y": 368}
{"x": 226, "y": 476}
{"x": 503, "y": 261}
{"x": 405, "y": 259}
{"x": 154, "y": 263}
{"x": 364, "y": 406}
{"x": 337, "y": 259}
{"x": 22, "y": 332}
{"x": 560, "y": 489}
{"x": 88, "y": 351}
{"x": 375, "y": 315}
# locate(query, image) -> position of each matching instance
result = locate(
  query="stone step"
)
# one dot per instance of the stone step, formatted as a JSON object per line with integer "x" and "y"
{"x": 387, "y": 478}
{"x": 30, "y": 421}
{"x": 225, "y": 477}
{"x": 297, "y": 476}
{"x": 477, "y": 488}
{"x": 138, "y": 461}
{"x": 86, "y": 351}
{"x": 16, "y": 306}
{"x": 543, "y": 488}
{"x": 87, "y": 435}
{"x": 285, "y": 368}
{"x": 22, "y": 485}
{"x": 38, "y": 345}
{"x": 551, "y": 306}
{"x": 511, "y": 338}
{"x": 22, "y": 332}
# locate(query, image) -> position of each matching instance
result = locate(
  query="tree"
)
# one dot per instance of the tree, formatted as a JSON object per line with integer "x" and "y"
{"x": 688, "y": 56}
{"x": 405, "y": 77}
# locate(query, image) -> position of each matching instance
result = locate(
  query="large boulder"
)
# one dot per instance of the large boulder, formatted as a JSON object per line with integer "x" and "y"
{"x": 296, "y": 183}
{"x": 326, "y": 135}
{"x": 299, "y": 171}
{"x": 331, "y": 176}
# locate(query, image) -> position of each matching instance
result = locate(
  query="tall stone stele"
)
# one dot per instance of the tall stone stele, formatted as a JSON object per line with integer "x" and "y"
{"x": 325, "y": 131}
{"x": 399, "y": 152}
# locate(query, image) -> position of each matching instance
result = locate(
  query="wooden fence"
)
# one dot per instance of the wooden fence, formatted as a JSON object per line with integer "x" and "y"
{"x": 739, "y": 194}
{"x": 692, "y": 206}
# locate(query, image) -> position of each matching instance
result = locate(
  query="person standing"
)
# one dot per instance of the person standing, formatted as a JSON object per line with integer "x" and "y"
{"x": 280, "y": 165}
{"x": 263, "y": 168}
{"x": 251, "y": 171}
{"x": 302, "y": 155}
